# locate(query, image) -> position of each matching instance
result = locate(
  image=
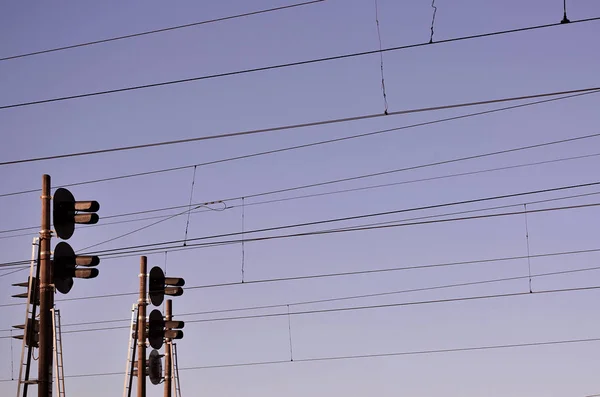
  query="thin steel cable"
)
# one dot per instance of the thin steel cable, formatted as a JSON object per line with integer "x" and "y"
{"x": 565, "y": 19}
{"x": 335, "y": 181}
{"x": 243, "y": 236}
{"x": 528, "y": 250}
{"x": 189, "y": 212}
{"x": 371, "y": 295}
{"x": 295, "y": 126}
{"x": 369, "y": 215}
{"x": 357, "y": 177}
{"x": 341, "y": 191}
{"x": 90, "y": 43}
{"x": 148, "y": 248}
{"x": 347, "y": 273}
{"x": 362, "y": 356}
{"x": 359, "y": 308}
{"x": 400, "y": 304}
{"x": 280, "y": 66}
{"x": 385, "y": 102}
{"x": 148, "y": 226}
{"x": 134, "y": 250}
{"x": 119, "y": 252}
{"x": 160, "y": 246}
{"x": 432, "y": 20}
{"x": 290, "y": 333}
{"x": 362, "y": 135}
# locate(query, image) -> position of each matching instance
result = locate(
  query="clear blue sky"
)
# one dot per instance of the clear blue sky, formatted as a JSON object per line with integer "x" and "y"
{"x": 548, "y": 60}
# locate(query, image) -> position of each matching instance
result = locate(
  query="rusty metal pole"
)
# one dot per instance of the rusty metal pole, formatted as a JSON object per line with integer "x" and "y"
{"x": 46, "y": 297}
{"x": 141, "y": 368}
{"x": 168, "y": 352}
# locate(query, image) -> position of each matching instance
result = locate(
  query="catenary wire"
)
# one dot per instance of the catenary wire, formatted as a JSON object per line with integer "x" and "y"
{"x": 131, "y": 251}
{"x": 411, "y": 219}
{"x": 286, "y": 65}
{"x": 354, "y": 357}
{"x": 187, "y": 211}
{"x": 149, "y": 32}
{"x": 348, "y": 179}
{"x": 175, "y": 248}
{"x": 340, "y": 191}
{"x": 337, "y": 299}
{"x": 363, "y": 216}
{"x": 296, "y": 126}
{"x": 344, "y": 274}
{"x": 161, "y": 245}
{"x": 311, "y": 144}
{"x": 363, "y": 307}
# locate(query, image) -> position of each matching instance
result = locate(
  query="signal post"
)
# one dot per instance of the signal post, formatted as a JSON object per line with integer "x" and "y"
{"x": 46, "y": 297}
{"x": 168, "y": 351}
{"x": 57, "y": 273}
{"x": 141, "y": 324}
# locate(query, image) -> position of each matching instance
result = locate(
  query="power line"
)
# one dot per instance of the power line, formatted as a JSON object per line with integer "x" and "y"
{"x": 327, "y": 300}
{"x": 295, "y": 126}
{"x": 311, "y": 144}
{"x": 284, "y": 65}
{"x": 131, "y": 251}
{"x": 353, "y": 357}
{"x": 161, "y": 245}
{"x": 363, "y": 216}
{"x": 356, "y": 308}
{"x": 340, "y": 191}
{"x": 389, "y": 305}
{"x": 149, "y": 32}
{"x": 353, "y": 178}
{"x": 344, "y": 274}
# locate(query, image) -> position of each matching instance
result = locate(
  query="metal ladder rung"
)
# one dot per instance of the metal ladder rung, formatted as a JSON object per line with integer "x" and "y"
{"x": 175, "y": 370}
{"x": 27, "y": 350}
{"x": 131, "y": 352}
{"x": 58, "y": 356}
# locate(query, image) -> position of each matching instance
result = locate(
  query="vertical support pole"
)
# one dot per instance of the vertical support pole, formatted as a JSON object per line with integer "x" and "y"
{"x": 168, "y": 352}
{"x": 141, "y": 325}
{"x": 46, "y": 296}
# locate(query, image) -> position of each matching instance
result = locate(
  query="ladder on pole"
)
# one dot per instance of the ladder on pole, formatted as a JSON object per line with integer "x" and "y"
{"x": 58, "y": 354}
{"x": 175, "y": 370}
{"x": 29, "y": 342}
{"x": 131, "y": 351}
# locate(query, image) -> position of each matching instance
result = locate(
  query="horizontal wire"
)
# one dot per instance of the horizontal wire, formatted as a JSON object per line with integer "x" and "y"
{"x": 187, "y": 211}
{"x": 341, "y": 191}
{"x": 400, "y": 304}
{"x": 358, "y": 308}
{"x": 436, "y": 215}
{"x": 296, "y": 126}
{"x": 352, "y": 357}
{"x": 131, "y": 251}
{"x": 90, "y": 43}
{"x": 343, "y": 274}
{"x": 371, "y": 295}
{"x": 273, "y": 67}
{"x": 311, "y": 144}
{"x": 355, "y": 217}
{"x": 147, "y": 248}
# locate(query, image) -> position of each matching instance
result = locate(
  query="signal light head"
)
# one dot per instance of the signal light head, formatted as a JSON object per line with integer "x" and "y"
{"x": 66, "y": 265}
{"x": 155, "y": 369}
{"x": 159, "y": 286}
{"x": 156, "y": 328}
{"x": 65, "y": 216}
